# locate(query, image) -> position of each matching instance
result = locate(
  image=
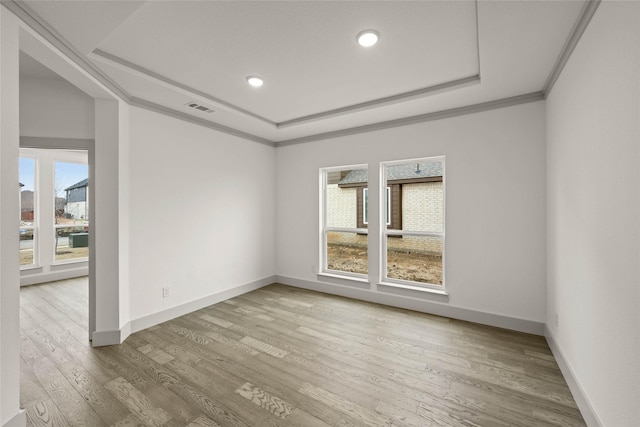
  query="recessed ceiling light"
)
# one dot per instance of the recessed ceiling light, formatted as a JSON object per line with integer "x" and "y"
{"x": 255, "y": 81}
{"x": 368, "y": 38}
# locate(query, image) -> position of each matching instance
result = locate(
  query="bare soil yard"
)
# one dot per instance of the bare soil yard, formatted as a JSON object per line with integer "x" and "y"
{"x": 404, "y": 265}
{"x": 64, "y": 253}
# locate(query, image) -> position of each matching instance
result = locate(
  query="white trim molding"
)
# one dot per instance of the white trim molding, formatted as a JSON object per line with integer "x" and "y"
{"x": 588, "y": 10}
{"x": 19, "y": 420}
{"x": 191, "y": 306}
{"x": 436, "y": 115}
{"x": 430, "y": 304}
{"x": 586, "y": 409}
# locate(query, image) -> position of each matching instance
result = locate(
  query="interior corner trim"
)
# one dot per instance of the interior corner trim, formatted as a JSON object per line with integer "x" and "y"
{"x": 151, "y": 106}
{"x": 437, "y": 115}
{"x": 588, "y": 10}
{"x": 40, "y": 26}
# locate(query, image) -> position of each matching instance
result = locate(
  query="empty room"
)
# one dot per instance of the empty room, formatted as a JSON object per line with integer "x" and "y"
{"x": 320, "y": 213}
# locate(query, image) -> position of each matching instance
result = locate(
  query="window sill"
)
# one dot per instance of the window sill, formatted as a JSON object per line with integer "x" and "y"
{"x": 30, "y": 267}
{"x": 344, "y": 276}
{"x": 413, "y": 288}
{"x": 70, "y": 262}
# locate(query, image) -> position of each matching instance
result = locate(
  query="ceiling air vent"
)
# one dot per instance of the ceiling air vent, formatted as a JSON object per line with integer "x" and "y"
{"x": 199, "y": 107}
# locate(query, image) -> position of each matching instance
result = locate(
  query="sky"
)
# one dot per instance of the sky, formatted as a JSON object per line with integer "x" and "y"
{"x": 67, "y": 174}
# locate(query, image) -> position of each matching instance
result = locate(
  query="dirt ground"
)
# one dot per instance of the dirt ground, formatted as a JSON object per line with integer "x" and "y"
{"x": 62, "y": 254}
{"x": 413, "y": 266}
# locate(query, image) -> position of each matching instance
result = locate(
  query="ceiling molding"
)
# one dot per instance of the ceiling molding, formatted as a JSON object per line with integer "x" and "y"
{"x": 588, "y": 10}
{"x": 148, "y": 105}
{"x": 42, "y": 27}
{"x": 147, "y": 74}
{"x": 438, "y": 115}
{"x": 389, "y": 100}
{"x": 55, "y": 143}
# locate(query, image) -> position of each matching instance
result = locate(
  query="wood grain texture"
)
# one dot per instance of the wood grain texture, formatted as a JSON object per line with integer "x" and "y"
{"x": 279, "y": 357}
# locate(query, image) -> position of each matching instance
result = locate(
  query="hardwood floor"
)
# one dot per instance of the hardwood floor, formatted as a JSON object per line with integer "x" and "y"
{"x": 282, "y": 356}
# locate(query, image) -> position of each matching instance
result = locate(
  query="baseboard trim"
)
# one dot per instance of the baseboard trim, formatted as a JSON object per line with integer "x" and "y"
{"x": 419, "y": 304}
{"x": 19, "y": 420}
{"x": 104, "y": 338}
{"x": 586, "y": 409}
{"x": 191, "y": 306}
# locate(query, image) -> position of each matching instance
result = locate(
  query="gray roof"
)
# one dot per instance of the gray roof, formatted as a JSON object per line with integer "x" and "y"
{"x": 397, "y": 172}
{"x": 83, "y": 183}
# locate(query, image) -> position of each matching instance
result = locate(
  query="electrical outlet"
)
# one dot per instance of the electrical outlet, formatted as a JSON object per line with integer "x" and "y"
{"x": 165, "y": 292}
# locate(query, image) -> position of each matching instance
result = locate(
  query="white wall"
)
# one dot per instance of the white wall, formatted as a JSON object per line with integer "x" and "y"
{"x": 202, "y": 207}
{"x": 54, "y": 108}
{"x": 495, "y": 205}
{"x": 593, "y": 213}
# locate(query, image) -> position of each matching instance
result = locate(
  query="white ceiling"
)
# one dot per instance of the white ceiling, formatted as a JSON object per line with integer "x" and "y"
{"x": 317, "y": 78}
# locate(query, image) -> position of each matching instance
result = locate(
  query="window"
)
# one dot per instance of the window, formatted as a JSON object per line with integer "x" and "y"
{"x": 71, "y": 211}
{"x": 343, "y": 242}
{"x": 417, "y": 257}
{"x": 28, "y": 229}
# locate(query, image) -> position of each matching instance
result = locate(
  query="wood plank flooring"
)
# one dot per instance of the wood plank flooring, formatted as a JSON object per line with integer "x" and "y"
{"x": 282, "y": 356}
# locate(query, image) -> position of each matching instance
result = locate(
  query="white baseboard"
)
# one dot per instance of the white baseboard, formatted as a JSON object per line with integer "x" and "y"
{"x": 418, "y": 304}
{"x": 103, "y": 338}
{"x": 19, "y": 420}
{"x": 191, "y": 306}
{"x": 114, "y": 337}
{"x": 586, "y": 409}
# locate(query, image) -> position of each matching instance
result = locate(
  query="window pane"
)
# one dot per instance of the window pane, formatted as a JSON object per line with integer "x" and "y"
{"x": 344, "y": 198}
{"x": 415, "y": 259}
{"x": 71, "y": 211}
{"x": 347, "y": 252}
{"x": 27, "y": 210}
{"x": 72, "y": 242}
{"x": 27, "y": 246}
{"x": 422, "y": 194}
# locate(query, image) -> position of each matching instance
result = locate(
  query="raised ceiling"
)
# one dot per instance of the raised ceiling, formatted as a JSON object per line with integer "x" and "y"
{"x": 432, "y": 56}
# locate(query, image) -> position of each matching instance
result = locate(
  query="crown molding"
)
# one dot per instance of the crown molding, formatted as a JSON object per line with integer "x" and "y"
{"x": 438, "y": 115}
{"x": 380, "y": 102}
{"x": 588, "y": 10}
{"x": 151, "y": 106}
{"x": 147, "y": 74}
{"x": 42, "y": 27}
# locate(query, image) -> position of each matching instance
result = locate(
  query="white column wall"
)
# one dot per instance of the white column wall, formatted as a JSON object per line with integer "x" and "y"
{"x": 9, "y": 222}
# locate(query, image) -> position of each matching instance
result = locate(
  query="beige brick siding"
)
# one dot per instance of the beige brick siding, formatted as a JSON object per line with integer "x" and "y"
{"x": 341, "y": 206}
{"x": 423, "y": 207}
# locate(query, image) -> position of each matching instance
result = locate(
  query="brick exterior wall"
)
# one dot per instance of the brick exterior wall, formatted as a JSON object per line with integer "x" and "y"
{"x": 341, "y": 206}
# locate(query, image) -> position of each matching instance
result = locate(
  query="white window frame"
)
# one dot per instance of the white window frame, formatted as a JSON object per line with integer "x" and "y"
{"x": 36, "y": 212}
{"x": 385, "y": 231}
{"x": 324, "y": 228}
{"x": 365, "y": 202}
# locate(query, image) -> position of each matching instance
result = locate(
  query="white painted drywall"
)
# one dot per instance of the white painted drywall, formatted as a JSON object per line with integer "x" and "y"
{"x": 9, "y": 220}
{"x": 495, "y": 203}
{"x": 594, "y": 213}
{"x": 202, "y": 207}
{"x": 54, "y": 108}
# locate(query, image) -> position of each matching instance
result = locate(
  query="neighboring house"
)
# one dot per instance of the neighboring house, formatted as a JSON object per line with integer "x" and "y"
{"x": 415, "y": 202}
{"x": 26, "y": 204}
{"x": 77, "y": 200}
